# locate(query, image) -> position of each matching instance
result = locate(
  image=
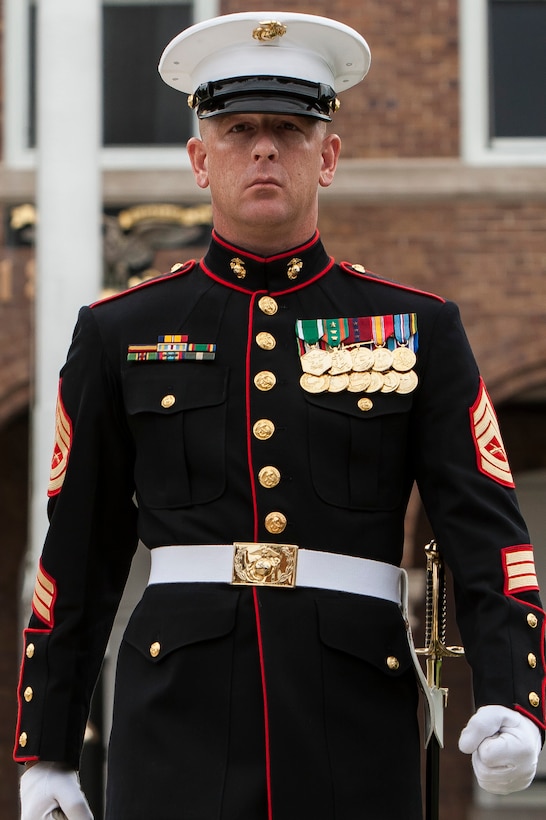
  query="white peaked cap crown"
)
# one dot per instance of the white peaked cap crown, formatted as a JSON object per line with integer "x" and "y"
{"x": 273, "y": 44}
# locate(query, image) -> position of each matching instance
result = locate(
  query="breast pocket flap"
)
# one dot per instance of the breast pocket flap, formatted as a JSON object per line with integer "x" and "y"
{"x": 169, "y": 388}
{"x": 362, "y": 405}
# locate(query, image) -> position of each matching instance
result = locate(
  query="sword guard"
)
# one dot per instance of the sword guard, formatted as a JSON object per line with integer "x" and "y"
{"x": 439, "y": 650}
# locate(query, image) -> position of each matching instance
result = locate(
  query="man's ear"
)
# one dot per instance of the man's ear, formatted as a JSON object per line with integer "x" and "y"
{"x": 198, "y": 159}
{"x": 331, "y": 148}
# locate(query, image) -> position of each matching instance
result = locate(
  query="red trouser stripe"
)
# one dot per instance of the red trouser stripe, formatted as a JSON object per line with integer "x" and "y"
{"x": 266, "y": 710}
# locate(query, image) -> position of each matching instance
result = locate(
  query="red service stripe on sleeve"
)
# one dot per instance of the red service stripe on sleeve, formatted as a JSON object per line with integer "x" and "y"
{"x": 519, "y": 569}
{"x": 45, "y": 593}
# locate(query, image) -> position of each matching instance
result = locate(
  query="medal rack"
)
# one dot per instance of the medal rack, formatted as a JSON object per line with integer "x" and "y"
{"x": 368, "y": 354}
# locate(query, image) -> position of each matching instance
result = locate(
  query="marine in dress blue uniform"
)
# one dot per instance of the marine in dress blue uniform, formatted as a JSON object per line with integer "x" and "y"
{"x": 269, "y": 401}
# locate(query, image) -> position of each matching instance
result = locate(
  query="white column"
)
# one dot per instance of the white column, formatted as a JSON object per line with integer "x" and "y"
{"x": 68, "y": 198}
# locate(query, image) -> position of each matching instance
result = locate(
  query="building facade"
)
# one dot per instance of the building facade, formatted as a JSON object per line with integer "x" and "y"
{"x": 442, "y": 185}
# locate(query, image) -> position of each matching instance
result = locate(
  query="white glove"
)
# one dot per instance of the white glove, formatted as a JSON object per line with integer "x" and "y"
{"x": 50, "y": 791}
{"x": 504, "y": 746}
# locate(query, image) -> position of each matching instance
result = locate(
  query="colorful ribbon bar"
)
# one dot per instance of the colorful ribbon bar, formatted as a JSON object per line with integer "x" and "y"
{"x": 171, "y": 348}
{"x": 388, "y": 330}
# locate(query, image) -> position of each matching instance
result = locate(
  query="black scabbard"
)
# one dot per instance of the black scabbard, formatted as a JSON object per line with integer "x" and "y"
{"x": 433, "y": 779}
{"x": 435, "y": 651}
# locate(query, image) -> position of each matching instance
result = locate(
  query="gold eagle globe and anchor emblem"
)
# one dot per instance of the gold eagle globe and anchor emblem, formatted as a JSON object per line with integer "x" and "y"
{"x": 269, "y": 30}
{"x": 294, "y": 267}
{"x": 264, "y": 564}
{"x": 238, "y": 267}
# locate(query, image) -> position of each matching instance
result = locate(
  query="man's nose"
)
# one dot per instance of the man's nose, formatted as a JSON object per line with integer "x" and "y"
{"x": 265, "y": 147}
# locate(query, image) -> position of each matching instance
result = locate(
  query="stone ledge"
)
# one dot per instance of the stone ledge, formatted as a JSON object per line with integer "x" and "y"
{"x": 357, "y": 180}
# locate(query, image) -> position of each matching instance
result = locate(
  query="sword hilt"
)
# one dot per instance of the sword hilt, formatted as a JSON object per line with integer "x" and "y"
{"x": 435, "y": 649}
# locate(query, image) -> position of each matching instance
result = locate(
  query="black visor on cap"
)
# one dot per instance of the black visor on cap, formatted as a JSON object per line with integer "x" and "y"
{"x": 281, "y": 95}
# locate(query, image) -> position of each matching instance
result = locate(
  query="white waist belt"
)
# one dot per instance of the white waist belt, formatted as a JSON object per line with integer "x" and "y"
{"x": 261, "y": 564}
{"x": 265, "y": 564}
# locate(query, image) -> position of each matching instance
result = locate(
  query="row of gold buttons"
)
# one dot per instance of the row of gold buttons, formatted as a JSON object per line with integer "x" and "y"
{"x": 532, "y": 621}
{"x": 263, "y": 429}
{"x": 28, "y": 694}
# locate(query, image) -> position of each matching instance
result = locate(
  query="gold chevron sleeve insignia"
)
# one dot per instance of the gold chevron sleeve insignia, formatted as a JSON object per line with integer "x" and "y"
{"x": 490, "y": 452}
{"x": 61, "y": 448}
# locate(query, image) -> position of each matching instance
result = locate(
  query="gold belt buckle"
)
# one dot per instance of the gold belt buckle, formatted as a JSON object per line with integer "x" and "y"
{"x": 264, "y": 564}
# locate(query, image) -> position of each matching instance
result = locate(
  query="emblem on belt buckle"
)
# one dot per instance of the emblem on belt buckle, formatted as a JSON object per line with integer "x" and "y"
{"x": 271, "y": 565}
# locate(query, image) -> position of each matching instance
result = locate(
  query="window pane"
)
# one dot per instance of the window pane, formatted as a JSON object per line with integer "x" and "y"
{"x": 518, "y": 68}
{"x": 139, "y": 108}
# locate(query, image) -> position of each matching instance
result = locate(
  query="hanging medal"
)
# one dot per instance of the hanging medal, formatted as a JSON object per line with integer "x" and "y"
{"x": 361, "y": 355}
{"x": 338, "y": 383}
{"x": 336, "y": 332}
{"x": 403, "y": 357}
{"x": 314, "y": 360}
{"x": 382, "y": 328}
{"x": 408, "y": 382}
{"x": 315, "y": 384}
{"x": 391, "y": 381}
{"x": 376, "y": 382}
{"x": 359, "y": 382}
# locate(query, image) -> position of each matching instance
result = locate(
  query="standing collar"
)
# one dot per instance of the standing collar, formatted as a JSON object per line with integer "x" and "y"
{"x": 247, "y": 272}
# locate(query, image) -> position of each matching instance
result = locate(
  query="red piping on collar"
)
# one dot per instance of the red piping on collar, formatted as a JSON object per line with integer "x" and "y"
{"x": 274, "y": 258}
{"x": 234, "y": 286}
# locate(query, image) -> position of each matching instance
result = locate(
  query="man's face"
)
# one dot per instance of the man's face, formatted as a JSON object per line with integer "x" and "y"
{"x": 263, "y": 171}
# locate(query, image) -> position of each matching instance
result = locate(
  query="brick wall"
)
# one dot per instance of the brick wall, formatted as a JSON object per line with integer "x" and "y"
{"x": 408, "y": 105}
{"x": 488, "y": 256}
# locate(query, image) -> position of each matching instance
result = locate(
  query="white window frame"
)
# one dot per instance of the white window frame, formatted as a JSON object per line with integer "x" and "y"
{"x": 17, "y": 154}
{"x": 476, "y": 146}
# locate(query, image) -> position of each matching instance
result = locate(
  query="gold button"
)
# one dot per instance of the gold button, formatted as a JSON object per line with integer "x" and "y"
{"x": 365, "y": 404}
{"x": 268, "y": 305}
{"x": 532, "y": 660}
{"x": 532, "y": 620}
{"x": 266, "y": 340}
{"x": 28, "y": 694}
{"x": 23, "y": 738}
{"x": 275, "y": 522}
{"x": 177, "y": 266}
{"x": 534, "y": 699}
{"x": 155, "y": 649}
{"x": 168, "y": 401}
{"x": 393, "y": 663}
{"x": 263, "y": 429}
{"x": 265, "y": 380}
{"x": 359, "y": 268}
{"x": 269, "y": 477}
{"x": 30, "y": 650}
